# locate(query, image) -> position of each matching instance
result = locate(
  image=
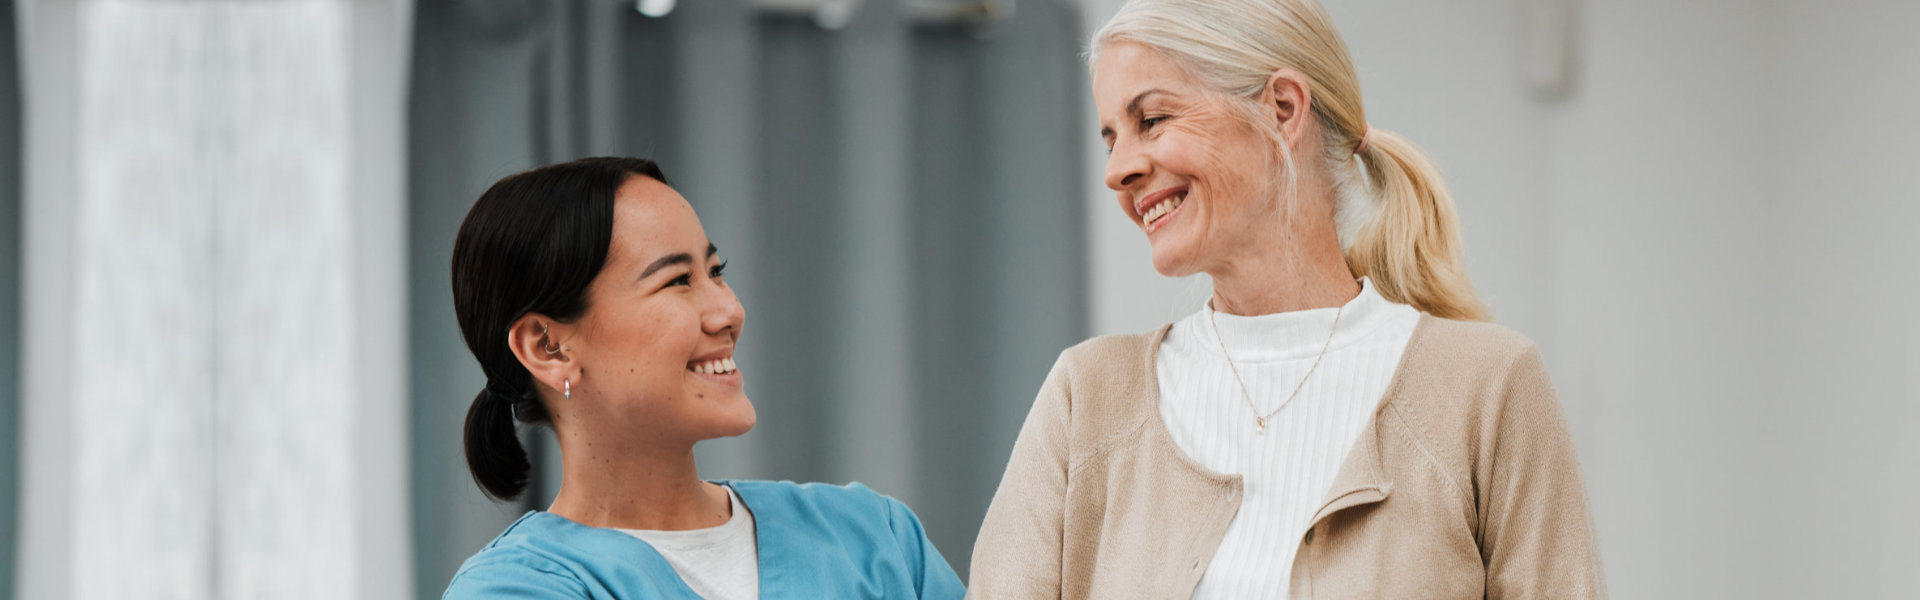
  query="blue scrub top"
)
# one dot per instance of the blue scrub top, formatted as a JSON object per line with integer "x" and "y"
{"x": 815, "y": 541}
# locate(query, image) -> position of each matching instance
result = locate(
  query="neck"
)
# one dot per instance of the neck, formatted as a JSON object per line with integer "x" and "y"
{"x": 1277, "y": 276}
{"x": 629, "y": 486}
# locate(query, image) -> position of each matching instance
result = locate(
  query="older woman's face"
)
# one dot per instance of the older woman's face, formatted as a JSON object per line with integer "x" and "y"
{"x": 1187, "y": 169}
{"x": 655, "y": 345}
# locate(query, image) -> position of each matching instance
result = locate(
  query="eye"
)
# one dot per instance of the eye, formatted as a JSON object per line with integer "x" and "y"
{"x": 718, "y": 270}
{"x": 681, "y": 280}
{"x": 1149, "y": 122}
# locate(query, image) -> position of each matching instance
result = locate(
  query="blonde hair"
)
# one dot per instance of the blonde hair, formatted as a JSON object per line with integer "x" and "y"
{"x": 1394, "y": 217}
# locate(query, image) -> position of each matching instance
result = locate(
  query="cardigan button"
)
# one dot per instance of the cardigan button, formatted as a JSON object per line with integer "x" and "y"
{"x": 1309, "y": 536}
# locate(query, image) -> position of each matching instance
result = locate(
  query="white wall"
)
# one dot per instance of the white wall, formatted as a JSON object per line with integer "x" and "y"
{"x": 1843, "y": 134}
{"x": 1659, "y": 217}
{"x": 1708, "y": 238}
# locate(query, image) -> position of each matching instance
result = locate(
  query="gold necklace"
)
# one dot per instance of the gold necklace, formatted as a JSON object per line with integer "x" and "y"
{"x": 1260, "y": 420}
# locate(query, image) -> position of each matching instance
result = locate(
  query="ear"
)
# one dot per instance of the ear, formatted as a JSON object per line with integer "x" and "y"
{"x": 1288, "y": 101}
{"x": 535, "y": 340}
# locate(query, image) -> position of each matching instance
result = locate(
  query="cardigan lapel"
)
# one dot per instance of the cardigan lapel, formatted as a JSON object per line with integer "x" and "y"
{"x": 1362, "y": 479}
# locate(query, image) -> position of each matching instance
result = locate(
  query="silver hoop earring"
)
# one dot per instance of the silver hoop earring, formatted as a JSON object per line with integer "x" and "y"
{"x": 569, "y": 385}
{"x": 543, "y": 345}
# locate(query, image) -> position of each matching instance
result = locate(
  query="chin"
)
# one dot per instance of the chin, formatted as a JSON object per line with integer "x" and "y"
{"x": 1172, "y": 260}
{"x": 742, "y": 427}
{"x": 739, "y": 422}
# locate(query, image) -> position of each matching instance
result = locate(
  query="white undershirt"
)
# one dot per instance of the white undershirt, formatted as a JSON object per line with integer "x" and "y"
{"x": 1289, "y": 469}
{"x": 719, "y": 563}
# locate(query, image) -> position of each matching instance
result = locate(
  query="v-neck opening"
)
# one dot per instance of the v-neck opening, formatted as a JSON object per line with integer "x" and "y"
{"x": 1164, "y": 436}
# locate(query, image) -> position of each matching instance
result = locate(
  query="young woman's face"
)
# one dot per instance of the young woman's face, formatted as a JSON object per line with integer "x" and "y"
{"x": 1198, "y": 178}
{"x": 655, "y": 345}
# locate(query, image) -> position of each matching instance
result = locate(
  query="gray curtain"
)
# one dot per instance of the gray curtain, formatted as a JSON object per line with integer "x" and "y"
{"x": 900, "y": 201}
{"x": 10, "y": 190}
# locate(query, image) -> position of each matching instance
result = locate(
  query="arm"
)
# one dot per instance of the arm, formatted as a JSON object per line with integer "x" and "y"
{"x": 502, "y": 580}
{"x": 1536, "y": 536}
{"x": 934, "y": 579}
{"x": 1018, "y": 552}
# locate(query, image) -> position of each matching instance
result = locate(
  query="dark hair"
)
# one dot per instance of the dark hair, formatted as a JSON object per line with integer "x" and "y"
{"x": 531, "y": 244}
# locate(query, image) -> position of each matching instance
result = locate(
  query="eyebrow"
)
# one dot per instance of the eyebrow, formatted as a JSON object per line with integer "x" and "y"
{"x": 1133, "y": 108}
{"x": 677, "y": 258}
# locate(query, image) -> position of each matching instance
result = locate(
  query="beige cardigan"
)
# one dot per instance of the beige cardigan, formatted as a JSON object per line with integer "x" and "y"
{"x": 1463, "y": 485}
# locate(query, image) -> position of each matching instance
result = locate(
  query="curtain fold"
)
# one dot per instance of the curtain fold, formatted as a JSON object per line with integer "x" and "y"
{"x": 900, "y": 200}
{"x": 10, "y": 190}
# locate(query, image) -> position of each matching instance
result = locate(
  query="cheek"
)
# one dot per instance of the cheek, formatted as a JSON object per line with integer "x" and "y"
{"x": 669, "y": 340}
{"x": 1186, "y": 152}
{"x": 1215, "y": 152}
{"x": 1237, "y": 172}
{"x": 646, "y": 343}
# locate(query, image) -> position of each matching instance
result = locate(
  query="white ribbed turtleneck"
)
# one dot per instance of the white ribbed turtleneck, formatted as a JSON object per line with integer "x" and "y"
{"x": 1287, "y": 470}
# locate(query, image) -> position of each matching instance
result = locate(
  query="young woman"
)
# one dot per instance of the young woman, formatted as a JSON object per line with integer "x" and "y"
{"x": 595, "y": 303}
{"x": 1336, "y": 422}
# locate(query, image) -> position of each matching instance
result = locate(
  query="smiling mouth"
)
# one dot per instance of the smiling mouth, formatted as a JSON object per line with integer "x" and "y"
{"x": 1161, "y": 209}
{"x": 718, "y": 366}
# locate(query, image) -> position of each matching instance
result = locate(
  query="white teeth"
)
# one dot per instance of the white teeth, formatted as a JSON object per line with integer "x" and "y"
{"x": 715, "y": 367}
{"x": 1161, "y": 209}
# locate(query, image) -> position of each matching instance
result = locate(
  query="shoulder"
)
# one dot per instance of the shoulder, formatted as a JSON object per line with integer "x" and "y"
{"x": 1123, "y": 351}
{"x": 523, "y": 560}
{"x": 1105, "y": 367}
{"x": 1468, "y": 342}
{"x": 853, "y": 515}
{"x": 1456, "y": 372}
{"x": 1461, "y": 382}
{"x": 1466, "y": 361}
{"x": 825, "y": 503}
{"x": 825, "y": 494}
{"x": 1106, "y": 378}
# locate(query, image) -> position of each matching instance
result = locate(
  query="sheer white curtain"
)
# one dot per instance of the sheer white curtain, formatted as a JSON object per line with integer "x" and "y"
{"x": 213, "y": 408}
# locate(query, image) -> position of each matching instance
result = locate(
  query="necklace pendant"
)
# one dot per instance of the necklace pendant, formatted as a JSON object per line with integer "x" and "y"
{"x": 1259, "y": 425}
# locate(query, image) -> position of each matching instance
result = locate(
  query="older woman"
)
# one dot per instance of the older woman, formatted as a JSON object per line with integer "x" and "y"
{"x": 595, "y": 304}
{"x": 1337, "y": 421}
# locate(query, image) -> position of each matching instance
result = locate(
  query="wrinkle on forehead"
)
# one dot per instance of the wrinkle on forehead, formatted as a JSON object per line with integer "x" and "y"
{"x": 1138, "y": 68}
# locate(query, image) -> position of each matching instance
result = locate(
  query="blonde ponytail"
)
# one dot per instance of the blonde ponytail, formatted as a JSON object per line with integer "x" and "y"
{"x": 1410, "y": 247}
{"x": 1396, "y": 221}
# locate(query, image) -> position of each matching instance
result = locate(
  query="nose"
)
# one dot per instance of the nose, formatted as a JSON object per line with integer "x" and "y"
{"x": 1125, "y": 166}
{"x": 721, "y": 313}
